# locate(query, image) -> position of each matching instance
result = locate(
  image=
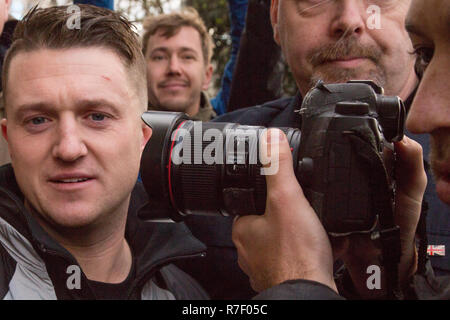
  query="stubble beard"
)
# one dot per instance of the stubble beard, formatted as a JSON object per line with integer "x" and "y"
{"x": 440, "y": 150}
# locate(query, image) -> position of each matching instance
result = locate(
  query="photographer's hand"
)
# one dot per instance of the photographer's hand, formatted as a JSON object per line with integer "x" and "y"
{"x": 411, "y": 184}
{"x": 359, "y": 252}
{"x": 288, "y": 242}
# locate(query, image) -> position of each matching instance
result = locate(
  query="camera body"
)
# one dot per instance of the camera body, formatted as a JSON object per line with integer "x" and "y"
{"x": 341, "y": 159}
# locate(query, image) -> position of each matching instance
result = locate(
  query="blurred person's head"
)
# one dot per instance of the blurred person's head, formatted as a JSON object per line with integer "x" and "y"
{"x": 4, "y": 8}
{"x": 340, "y": 40}
{"x": 428, "y": 23}
{"x": 178, "y": 50}
{"x": 73, "y": 100}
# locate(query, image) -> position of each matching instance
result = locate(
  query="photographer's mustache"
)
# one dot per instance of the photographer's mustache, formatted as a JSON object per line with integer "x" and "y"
{"x": 344, "y": 50}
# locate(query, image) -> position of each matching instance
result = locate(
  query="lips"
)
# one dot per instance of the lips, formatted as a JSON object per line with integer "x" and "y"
{"x": 67, "y": 177}
{"x": 173, "y": 84}
{"x": 347, "y": 61}
{"x": 74, "y": 180}
{"x": 71, "y": 178}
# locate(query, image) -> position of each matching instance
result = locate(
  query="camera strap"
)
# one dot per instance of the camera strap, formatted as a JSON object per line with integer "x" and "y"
{"x": 364, "y": 144}
{"x": 423, "y": 239}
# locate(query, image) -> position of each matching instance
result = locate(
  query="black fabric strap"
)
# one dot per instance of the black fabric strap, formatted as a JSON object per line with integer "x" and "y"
{"x": 364, "y": 144}
{"x": 423, "y": 239}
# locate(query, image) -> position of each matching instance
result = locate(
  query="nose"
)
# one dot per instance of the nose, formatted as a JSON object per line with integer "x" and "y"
{"x": 69, "y": 145}
{"x": 430, "y": 110}
{"x": 174, "y": 66}
{"x": 349, "y": 18}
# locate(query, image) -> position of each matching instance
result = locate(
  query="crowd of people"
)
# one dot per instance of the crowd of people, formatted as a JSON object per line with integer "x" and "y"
{"x": 72, "y": 100}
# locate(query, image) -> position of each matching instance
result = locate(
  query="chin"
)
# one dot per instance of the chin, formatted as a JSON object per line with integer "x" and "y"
{"x": 440, "y": 163}
{"x": 442, "y": 186}
{"x": 330, "y": 74}
{"x": 73, "y": 222}
{"x": 443, "y": 192}
{"x": 175, "y": 106}
{"x": 71, "y": 217}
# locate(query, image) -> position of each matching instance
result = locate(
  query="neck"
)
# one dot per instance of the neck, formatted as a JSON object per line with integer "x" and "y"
{"x": 100, "y": 248}
{"x": 193, "y": 109}
{"x": 104, "y": 261}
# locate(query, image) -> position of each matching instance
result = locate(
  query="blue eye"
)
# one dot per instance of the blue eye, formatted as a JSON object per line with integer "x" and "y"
{"x": 158, "y": 58}
{"x": 38, "y": 120}
{"x": 97, "y": 116}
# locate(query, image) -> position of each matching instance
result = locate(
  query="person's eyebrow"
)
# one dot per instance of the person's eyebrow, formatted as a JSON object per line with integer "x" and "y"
{"x": 86, "y": 104}
{"x": 23, "y": 109}
{"x": 82, "y": 106}
{"x": 187, "y": 49}
{"x": 159, "y": 49}
{"x": 166, "y": 50}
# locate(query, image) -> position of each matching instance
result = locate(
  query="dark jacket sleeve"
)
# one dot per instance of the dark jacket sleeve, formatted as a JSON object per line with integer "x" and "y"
{"x": 428, "y": 286}
{"x": 183, "y": 286}
{"x": 261, "y": 115}
{"x": 253, "y": 84}
{"x": 299, "y": 290}
{"x": 7, "y": 266}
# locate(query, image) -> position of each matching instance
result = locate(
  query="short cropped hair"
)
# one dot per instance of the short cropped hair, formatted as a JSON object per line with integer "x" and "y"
{"x": 51, "y": 28}
{"x": 171, "y": 23}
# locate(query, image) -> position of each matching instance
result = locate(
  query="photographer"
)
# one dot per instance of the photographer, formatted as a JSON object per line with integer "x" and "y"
{"x": 428, "y": 114}
{"x": 337, "y": 41}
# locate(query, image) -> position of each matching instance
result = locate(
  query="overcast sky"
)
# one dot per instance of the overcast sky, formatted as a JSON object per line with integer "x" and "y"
{"x": 18, "y": 7}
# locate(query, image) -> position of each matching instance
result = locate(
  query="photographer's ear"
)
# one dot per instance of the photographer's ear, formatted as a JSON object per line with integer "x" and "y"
{"x": 146, "y": 135}
{"x": 5, "y": 11}
{"x": 274, "y": 20}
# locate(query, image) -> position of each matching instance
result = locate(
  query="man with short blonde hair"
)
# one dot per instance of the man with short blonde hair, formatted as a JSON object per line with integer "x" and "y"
{"x": 178, "y": 50}
{"x": 171, "y": 23}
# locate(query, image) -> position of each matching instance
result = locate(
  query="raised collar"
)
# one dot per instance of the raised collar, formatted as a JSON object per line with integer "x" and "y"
{"x": 206, "y": 111}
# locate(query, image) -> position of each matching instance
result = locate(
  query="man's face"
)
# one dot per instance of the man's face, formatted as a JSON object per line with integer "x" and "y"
{"x": 74, "y": 134}
{"x": 332, "y": 40}
{"x": 429, "y": 24}
{"x": 176, "y": 71}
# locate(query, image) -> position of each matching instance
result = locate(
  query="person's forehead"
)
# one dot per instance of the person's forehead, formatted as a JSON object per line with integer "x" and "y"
{"x": 42, "y": 74}
{"x": 185, "y": 36}
{"x": 89, "y": 59}
{"x": 428, "y": 16}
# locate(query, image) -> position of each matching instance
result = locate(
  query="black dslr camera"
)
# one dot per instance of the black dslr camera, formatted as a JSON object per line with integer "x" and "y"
{"x": 339, "y": 158}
